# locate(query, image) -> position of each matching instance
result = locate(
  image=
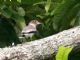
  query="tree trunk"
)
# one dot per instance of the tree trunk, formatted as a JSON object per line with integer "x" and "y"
{"x": 42, "y": 48}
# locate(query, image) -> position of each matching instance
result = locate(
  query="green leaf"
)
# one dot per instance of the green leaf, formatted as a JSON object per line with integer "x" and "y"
{"x": 76, "y": 20}
{"x": 19, "y": 1}
{"x": 21, "y": 11}
{"x": 60, "y": 53}
{"x": 61, "y": 14}
{"x": 63, "y": 53}
{"x": 66, "y": 53}
{"x": 47, "y": 6}
{"x": 42, "y": 2}
{"x": 6, "y": 12}
{"x": 20, "y": 21}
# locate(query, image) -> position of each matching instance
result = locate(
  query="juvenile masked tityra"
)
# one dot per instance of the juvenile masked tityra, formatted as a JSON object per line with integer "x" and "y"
{"x": 30, "y": 29}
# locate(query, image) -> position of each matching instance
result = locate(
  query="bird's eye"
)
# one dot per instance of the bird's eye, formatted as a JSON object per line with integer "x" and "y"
{"x": 23, "y": 35}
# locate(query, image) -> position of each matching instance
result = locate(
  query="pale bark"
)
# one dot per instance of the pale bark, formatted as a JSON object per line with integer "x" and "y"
{"x": 42, "y": 48}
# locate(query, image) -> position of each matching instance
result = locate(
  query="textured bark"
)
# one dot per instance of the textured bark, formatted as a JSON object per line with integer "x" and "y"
{"x": 43, "y": 48}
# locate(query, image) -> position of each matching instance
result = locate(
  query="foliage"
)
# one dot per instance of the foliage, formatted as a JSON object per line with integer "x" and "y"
{"x": 61, "y": 16}
{"x": 11, "y": 22}
{"x": 63, "y": 53}
{"x": 55, "y": 15}
{"x": 10, "y": 9}
{"x": 75, "y": 53}
{"x": 7, "y": 34}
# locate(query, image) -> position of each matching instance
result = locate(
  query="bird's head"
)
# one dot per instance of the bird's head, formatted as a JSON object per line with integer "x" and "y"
{"x": 34, "y": 23}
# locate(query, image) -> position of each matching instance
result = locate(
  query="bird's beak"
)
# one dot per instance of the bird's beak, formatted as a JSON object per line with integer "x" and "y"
{"x": 39, "y": 23}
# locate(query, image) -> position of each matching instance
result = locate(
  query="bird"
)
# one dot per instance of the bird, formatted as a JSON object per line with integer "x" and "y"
{"x": 30, "y": 29}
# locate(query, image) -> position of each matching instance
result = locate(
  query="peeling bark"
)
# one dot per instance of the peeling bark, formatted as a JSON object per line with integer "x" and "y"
{"x": 42, "y": 48}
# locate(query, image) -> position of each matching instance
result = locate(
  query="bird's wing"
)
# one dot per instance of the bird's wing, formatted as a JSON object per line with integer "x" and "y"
{"x": 29, "y": 29}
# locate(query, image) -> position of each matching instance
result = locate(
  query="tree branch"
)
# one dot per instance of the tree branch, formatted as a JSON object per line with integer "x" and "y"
{"x": 42, "y": 48}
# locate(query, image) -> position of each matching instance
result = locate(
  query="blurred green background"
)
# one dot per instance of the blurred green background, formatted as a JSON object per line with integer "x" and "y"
{"x": 55, "y": 16}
